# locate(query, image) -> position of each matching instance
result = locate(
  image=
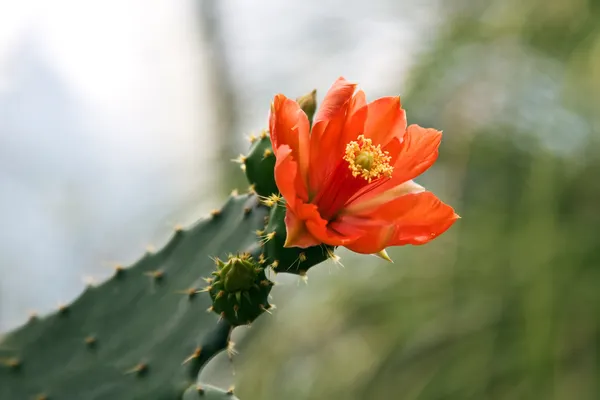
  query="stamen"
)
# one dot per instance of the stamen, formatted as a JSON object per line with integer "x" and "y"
{"x": 366, "y": 160}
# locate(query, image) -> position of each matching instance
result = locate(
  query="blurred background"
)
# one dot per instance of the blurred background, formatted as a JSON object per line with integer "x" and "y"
{"x": 118, "y": 120}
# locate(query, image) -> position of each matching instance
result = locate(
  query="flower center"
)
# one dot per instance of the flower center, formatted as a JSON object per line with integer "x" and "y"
{"x": 366, "y": 160}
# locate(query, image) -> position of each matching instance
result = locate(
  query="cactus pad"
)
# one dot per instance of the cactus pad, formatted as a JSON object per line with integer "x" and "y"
{"x": 260, "y": 166}
{"x": 144, "y": 333}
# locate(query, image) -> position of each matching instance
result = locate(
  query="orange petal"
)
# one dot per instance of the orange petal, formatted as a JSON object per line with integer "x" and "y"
{"x": 297, "y": 233}
{"x": 359, "y": 100}
{"x": 410, "y": 219}
{"x": 427, "y": 218}
{"x": 385, "y": 120}
{"x": 327, "y": 131}
{"x": 363, "y": 204}
{"x": 374, "y": 241}
{"x": 336, "y": 98}
{"x": 286, "y": 170}
{"x": 419, "y": 152}
{"x": 289, "y": 125}
{"x": 319, "y": 229}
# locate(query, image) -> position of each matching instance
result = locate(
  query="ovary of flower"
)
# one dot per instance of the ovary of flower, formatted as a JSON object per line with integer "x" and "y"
{"x": 366, "y": 160}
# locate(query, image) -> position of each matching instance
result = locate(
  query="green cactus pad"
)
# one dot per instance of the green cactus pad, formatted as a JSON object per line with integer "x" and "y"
{"x": 207, "y": 392}
{"x": 143, "y": 334}
{"x": 260, "y": 166}
{"x": 239, "y": 290}
{"x": 293, "y": 260}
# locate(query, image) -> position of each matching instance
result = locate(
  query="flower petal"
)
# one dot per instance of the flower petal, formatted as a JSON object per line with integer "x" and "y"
{"x": 336, "y": 98}
{"x": 419, "y": 152}
{"x": 318, "y": 227}
{"x": 289, "y": 125}
{"x": 385, "y": 120}
{"x": 410, "y": 219}
{"x": 365, "y": 203}
{"x": 372, "y": 242}
{"x": 297, "y": 233}
{"x": 428, "y": 218}
{"x": 286, "y": 170}
{"x": 327, "y": 130}
{"x": 359, "y": 100}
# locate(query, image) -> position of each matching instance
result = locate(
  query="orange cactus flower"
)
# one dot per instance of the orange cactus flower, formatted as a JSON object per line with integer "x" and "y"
{"x": 348, "y": 180}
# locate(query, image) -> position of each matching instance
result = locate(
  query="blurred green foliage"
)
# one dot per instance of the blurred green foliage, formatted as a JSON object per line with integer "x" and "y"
{"x": 506, "y": 305}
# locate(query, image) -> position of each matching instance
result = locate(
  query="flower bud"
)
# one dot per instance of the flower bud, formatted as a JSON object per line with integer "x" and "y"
{"x": 239, "y": 290}
{"x": 308, "y": 104}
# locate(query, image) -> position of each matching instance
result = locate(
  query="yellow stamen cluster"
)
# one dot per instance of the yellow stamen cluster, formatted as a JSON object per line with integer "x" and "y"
{"x": 366, "y": 160}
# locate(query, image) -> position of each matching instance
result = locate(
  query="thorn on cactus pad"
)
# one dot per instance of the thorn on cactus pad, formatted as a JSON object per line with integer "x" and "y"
{"x": 303, "y": 276}
{"x": 265, "y": 238}
{"x": 63, "y": 309}
{"x": 206, "y": 289}
{"x": 240, "y": 159}
{"x": 252, "y": 138}
{"x": 231, "y": 351}
{"x": 89, "y": 281}
{"x": 265, "y": 309}
{"x": 334, "y": 257}
{"x": 215, "y": 213}
{"x": 157, "y": 275}
{"x": 271, "y": 200}
{"x": 119, "y": 271}
{"x": 33, "y": 316}
{"x": 190, "y": 292}
{"x": 193, "y": 356}
{"x": 267, "y": 153}
{"x": 230, "y": 391}
{"x": 12, "y": 363}
{"x": 234, "y": 192}
{"x": 91, "y": 341}
{"x": 139, "y": 370}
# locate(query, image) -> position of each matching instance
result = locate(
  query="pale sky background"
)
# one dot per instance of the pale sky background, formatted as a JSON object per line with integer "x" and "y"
{"x": 105, "y": 118}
